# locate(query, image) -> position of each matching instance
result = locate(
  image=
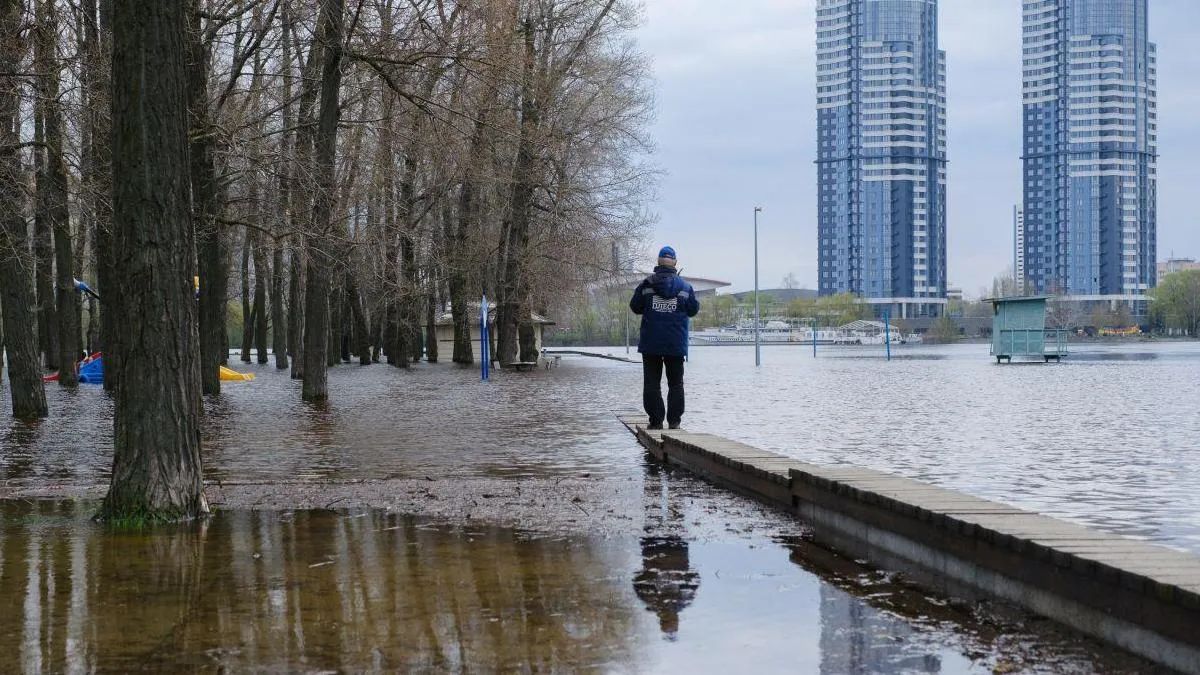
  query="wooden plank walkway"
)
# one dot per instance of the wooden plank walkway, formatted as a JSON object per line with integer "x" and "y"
{"x": 1141, "y": 596}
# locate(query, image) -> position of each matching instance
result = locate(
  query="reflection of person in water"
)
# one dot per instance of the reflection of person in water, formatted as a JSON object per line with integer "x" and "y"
{"x": 666, "y": 582}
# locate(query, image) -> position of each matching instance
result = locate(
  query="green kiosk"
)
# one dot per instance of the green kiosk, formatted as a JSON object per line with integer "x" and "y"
{"x": 1019, "y": 329}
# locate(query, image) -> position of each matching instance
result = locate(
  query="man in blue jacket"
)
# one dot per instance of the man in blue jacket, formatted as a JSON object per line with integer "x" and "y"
{"x": 666, "y": 303}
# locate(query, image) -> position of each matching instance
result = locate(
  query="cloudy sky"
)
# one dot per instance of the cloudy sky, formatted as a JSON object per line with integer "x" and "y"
{"x": 736, "y": 127}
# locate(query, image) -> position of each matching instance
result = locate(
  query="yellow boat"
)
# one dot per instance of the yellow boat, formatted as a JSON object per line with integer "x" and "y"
{"x": 228, "y": 375}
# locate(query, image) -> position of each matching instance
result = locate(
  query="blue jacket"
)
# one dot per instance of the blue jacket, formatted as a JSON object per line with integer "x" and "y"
{"x": 665, "y": 302}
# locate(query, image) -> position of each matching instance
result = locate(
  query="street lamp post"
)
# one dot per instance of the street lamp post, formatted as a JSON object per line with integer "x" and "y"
{"x": 757, "y": 318}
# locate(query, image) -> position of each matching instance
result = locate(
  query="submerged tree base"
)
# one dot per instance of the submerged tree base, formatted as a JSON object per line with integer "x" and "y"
{"x": 137, "y": 514}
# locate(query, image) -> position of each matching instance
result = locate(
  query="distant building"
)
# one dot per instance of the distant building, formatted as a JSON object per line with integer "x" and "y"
{"x": 704, "y": 287}
{"x": 1090, "y": 144}
{"x": 1172, "y": 265}
{"x": 881, "y": 154}
{"x": 1019, "y": 248}
{"x": 444, "y": 331}
{"x": 784, "y": 295}
{"x": 954, "y": 294}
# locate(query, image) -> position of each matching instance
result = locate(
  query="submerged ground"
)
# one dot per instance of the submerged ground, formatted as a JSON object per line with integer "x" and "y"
{"x": 424, "y": 519}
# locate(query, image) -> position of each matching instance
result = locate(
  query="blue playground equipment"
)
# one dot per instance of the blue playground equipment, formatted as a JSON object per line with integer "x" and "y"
{"x": 92, "y": 372}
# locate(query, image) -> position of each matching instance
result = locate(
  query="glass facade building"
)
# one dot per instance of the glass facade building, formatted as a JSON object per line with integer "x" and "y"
{"x": 881, "y": 154}
{"x": 1090, "y": 148}
{"x": 1019, "y": 275}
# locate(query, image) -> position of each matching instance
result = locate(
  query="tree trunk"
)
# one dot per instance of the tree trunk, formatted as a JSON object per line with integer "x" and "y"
{"x": 247, "y": 307}
{"x": 431, "y": 345}
{"x": 92, "y": 339}
{"x": 302, "y": 203}
{"x": 52, "y": 193}
{"x": 395, "y": 332}
{"x": 316, "y": 324}
{"x": 106, "y": 275}
{"x": 400, "y": 335}
{"x": 456, "y": 243}
{"x": 528, "y": 335}
{"x": 417, "y": 341}
{"x": 296, "y": 299}
{"x": 210, "y": 245}
{"x": 16, "y": 288}
{"x": 43, "y": 251}
{"x": 261, "y": 318}
{"x": 407, "y": 306}
{"x": 361, "y": 331}
{"x": 95, "y": 81}
{"x": 157, "y": 472}
{"x": 279, "y": 327}
{"x": 376, "y": 335}
{"x": 408, "y": 318}
{"x": 335, "y": 327}
{"x": 520, "y": 203}
{"x": 282, "y": 336}
{"x": 28, "y": 394}
{"x": 388, "y": 328}
{"x": 393, "y": 289}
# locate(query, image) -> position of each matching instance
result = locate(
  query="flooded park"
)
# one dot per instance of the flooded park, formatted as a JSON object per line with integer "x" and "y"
{"x": 257, "y": 258}
{"x": 423, "y": 519}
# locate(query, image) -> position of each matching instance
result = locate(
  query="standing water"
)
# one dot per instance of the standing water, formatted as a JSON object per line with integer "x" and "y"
{"x": 685, "y": 579}
{"x": 1109, "y": 438}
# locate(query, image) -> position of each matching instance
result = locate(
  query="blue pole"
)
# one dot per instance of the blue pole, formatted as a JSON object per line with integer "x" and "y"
{"x": 484, "y": 339}
{"x": 887, "y": 332}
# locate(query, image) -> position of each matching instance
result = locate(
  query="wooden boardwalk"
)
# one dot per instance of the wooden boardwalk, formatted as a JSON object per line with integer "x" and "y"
{"x": 1137, "y": 595}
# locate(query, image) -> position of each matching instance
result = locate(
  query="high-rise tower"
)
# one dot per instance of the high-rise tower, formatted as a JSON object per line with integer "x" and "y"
{"x": 1019, "y": 248}
{"x": 1090, "y": 147}
{"x": 881, "y": 154}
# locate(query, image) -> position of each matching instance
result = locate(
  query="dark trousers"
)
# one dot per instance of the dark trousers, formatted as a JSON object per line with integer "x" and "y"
{"x": 652, "y": 368}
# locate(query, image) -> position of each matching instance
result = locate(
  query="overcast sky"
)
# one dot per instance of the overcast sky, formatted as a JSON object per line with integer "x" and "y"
{"x": 737, "y": 124}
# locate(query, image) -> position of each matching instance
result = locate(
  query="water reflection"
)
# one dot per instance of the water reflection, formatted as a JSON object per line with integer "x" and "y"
{"x": 850, "y": 639}
{"x": 1115, "y": 356}
{"x": 305, "y": 590}
{"x": 374, "y": 591}
{"x": 666, "y": 583}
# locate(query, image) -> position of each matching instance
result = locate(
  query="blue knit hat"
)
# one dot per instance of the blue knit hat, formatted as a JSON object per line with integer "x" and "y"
{"x": 667, "y": 252}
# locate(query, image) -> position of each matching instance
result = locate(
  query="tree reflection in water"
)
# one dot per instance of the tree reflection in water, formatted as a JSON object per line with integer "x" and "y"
{"x": 318, "y": 590}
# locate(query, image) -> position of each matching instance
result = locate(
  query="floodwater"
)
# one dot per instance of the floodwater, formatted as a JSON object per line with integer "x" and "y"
{"x": 664, "y": 574}
{"x": 1109, "y": 438}
{"x": 372, "y": 591}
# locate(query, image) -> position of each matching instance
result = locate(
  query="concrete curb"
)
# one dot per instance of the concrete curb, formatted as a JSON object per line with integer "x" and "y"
{"x": 1141, "y": 597}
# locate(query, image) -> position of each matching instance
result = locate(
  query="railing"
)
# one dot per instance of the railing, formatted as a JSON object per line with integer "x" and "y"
{"x": 1036, "y": 341}
{"x": 1060, "y": 341}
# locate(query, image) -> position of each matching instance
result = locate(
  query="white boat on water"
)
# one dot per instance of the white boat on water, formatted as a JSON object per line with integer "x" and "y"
{"x": 783, "y": 332}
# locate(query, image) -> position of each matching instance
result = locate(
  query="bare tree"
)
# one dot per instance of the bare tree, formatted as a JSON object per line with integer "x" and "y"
{"x": 156, "y": 455}
{"x": 52, "y": 191}
{"x": 319, "y": 248}
{"x": 16, "y": 280}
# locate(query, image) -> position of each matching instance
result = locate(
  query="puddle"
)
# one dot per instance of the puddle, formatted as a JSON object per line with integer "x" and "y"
{"x": 370, "y": 590}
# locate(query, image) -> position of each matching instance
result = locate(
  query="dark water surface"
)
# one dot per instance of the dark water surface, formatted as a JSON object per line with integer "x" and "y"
{"x": 355, "y": 591}
{"x": 1109, "y": 438}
